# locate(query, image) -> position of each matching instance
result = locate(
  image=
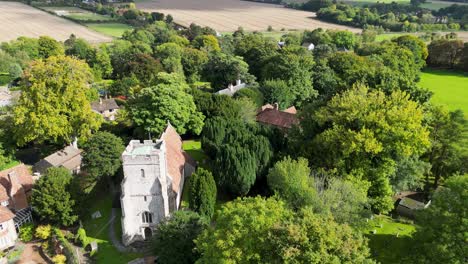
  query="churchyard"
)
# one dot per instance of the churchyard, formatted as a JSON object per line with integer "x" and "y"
{"x": 22, "y": 20}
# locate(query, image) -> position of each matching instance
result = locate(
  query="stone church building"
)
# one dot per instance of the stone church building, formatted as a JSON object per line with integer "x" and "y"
{"x": 154, "y": 175}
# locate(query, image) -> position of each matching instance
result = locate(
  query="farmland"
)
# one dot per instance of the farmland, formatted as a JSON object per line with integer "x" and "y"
{"x": 17, "y": 20}
{"x": 228, "y": 15}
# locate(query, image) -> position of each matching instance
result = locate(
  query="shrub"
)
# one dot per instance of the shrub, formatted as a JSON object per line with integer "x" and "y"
{"x": 59, "y": 259}
{"x": 43, "y": 232}
{"x": 26, "y": 232}
{"x": 81, "y": 237}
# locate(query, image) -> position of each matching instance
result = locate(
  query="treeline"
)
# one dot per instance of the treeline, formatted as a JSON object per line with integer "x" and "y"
{"x": 451, "y": 54}
{"x": 391, "y": 17}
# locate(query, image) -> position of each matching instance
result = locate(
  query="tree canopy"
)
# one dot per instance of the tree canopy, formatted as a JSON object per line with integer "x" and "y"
{"x": 101, "y": 155}
{"x": 253, "y": 230}
{"x": 167, "y": 101}
{"x": 173, "y": 240}
{"x": 54, "y": 104}
{"x": 441, "y": 233}
{"x": 51, "y": 198}
{"x": 364, "y": 134}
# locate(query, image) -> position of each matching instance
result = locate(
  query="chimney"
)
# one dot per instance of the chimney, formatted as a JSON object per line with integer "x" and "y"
{"x": 15, "y": 185}
{"x": 276, "y": 106}
{"x": 238, "y": 82}
{"x": 230, "y": 87}
{"x": 100, "y": 100}
{"x": 75, "y": 143}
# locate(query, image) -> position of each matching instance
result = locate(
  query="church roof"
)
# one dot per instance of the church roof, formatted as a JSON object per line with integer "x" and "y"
{"x": 176, "y": 156}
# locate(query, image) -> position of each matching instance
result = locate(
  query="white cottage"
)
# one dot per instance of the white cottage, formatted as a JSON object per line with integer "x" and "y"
{"x": 154, "y": 175}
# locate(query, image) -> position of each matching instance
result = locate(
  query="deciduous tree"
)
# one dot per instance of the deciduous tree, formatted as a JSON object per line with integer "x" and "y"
{"x": 441, "y": 232}
{"x": 54, "y": 103}
{"x": 364, "y": 134}
{"x": 254, "y": 230}
{"x": 167, "y": 101}
{"x": 174, "y": 238}
{"x": 101, "y": 155}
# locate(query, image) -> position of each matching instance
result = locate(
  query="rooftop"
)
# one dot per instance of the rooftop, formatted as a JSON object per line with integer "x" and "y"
{"x": 138, "y": 148}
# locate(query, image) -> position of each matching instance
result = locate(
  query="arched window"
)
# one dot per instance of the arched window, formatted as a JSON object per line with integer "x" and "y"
{"x": 142, "y": 173}
{"x": 147, "y": 217}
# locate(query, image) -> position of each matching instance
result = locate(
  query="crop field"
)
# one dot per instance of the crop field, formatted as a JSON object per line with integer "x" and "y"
{"x": 17, "y": 20}
{"x": 228, "y": 15}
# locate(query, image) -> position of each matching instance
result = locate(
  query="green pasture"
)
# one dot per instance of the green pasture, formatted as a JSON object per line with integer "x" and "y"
{"x": 110, "y": 29}
{"x": 450, "y": 88}
{"x": 387, "y": 36}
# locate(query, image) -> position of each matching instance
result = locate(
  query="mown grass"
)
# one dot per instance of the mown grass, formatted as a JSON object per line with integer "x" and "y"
{"x": 110, "y": 29}
{"x": 98, "y": 230}
{"x": 450, "y": 88}
{"x": 392, "y": 241}
{"x": 387, "y": 36}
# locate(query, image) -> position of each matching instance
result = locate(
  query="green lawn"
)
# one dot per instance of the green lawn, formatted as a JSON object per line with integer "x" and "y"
{"x": 385, "y": 246}
{"x": 193, "y": 148}
{"x": 98, "y": 230}
{"x": 387, "y": 36}
{"x": 450, "y": 88}
{"x": 110, "y": 29}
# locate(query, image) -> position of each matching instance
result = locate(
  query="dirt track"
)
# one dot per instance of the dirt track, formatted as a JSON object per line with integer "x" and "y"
{"x": 17, "y": 20}
{"x": 228, "y": 15}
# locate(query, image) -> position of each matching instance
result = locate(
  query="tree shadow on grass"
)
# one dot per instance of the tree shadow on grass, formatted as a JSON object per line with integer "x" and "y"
{"x": 386, "y": 248}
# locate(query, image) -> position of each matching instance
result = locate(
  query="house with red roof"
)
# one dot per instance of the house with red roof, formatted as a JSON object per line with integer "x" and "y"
{"x": 272, "y": 116}
{"x": 154, "y": 176}
{"x": 15, "y": 188}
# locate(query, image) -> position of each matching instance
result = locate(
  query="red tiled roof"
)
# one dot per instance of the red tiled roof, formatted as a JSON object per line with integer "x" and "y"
{"x": 24, "y": 176}
{"x": 176, "y": 156}
{"x": 5, "y": 214}
{"x": 277, "y": 118}
{"x": 15, "y": 190}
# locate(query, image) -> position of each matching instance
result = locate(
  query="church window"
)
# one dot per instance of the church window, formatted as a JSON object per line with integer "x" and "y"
{"x": 147, "y": 217}
{"x": 142, "y": 173}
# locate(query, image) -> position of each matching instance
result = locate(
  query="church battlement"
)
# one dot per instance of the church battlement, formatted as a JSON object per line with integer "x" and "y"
{"x": 147, "y": 151}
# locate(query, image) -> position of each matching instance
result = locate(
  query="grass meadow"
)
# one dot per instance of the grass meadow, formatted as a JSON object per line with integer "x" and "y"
{"x": 109, "y": 29}
{"x": 450, "y": 88}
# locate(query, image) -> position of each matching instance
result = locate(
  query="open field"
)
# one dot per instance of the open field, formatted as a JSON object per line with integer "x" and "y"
{"x": 110, "y": 29}
{"x": 228, "y": 15}
{"x": 17, "y": 20}
{"x": 450, "y": 88}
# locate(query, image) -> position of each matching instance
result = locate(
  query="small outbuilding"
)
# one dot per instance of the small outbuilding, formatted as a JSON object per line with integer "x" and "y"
{"x": 407, "y": 207}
